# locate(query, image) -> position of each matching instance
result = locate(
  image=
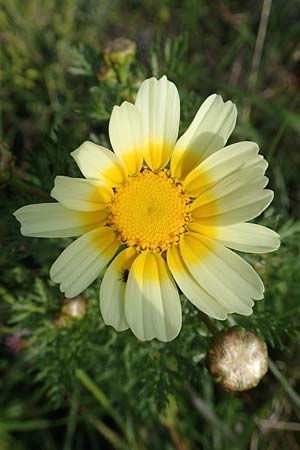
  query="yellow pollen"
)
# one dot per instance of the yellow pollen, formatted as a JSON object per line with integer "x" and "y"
{"x": 150, "y": 211}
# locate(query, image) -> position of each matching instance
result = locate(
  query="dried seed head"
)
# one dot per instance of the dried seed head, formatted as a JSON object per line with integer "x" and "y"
{"x": 238, "y": 359}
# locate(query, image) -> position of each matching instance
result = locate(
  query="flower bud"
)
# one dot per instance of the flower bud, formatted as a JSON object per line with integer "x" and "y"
{"x": 60, "y": 322}
{"x": 106, "y": 73}
{"x": 237, "y": 359}
{"x": 119, "y": 51}
{"x": 74, "y": 308}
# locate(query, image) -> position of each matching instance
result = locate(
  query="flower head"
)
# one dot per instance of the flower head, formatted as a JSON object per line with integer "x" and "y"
{"x": 163, "y": 212}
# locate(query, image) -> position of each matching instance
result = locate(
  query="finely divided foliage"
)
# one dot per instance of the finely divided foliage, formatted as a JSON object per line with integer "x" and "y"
{"x": 172, "y": 207}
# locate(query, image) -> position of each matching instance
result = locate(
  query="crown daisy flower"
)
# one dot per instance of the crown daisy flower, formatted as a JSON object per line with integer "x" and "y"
{"x": 162, "y": 213}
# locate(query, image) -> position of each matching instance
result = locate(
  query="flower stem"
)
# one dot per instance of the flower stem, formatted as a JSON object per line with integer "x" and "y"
{"x": 111, "y": 436}
{"x": 23, "y": 187}
{"x": 72, "y": 419}
{"x": 284, "y": 383}
{"x": 105, "y": 403}
{"x": 209, "y": 323}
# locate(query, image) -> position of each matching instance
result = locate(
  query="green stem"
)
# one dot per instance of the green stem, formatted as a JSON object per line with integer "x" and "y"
{"x": 209, "y": 415}
{"x": 105, "y": 403}
{"x": 289, "y": 313}
{"x": 284, "y": 383}
{"x": 280, "y": 133}
{"x": 111, "y": 436}
{"x": 8, "y": 330}
{"x": 72, "y": 419}
{"x": 256, "y": 60}
{"x": 209, "y": 323}
{"x": 23, "y": 187}
{"x": 29, "y": 425}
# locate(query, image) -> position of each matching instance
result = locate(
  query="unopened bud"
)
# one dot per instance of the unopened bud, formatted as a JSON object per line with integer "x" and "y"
{"x": 74, "y": 307}
{"x": 106, "y": 73}
{"x": 238, "y": 359}
{"x": 119, "y": 51}
{"x": 60, "y": 322}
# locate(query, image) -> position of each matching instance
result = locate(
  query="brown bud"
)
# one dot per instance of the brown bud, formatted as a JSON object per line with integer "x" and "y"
{"x": 237, "y": 359}
{"x": 60, "y": 322}
{"x": 119, "y": 51}
{"x": 106, "y": 73}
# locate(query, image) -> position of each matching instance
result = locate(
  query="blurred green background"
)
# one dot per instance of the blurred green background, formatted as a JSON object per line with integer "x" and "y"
{"x": 59, "y": 81}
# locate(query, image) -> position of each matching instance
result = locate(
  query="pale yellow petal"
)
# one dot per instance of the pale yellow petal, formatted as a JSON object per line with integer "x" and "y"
{"x": 192, "y": 289}
{"x": 100, "y": 163}
{"x": 236, "y": 198}
{"x": 219, "y": 165}
{"x": 81, "y": 194}
{"x": 221, "y": 273}
{"x": 126, "y": 136}
{"x": 52, "y": 220}
{"x": 245, "y": 237}
{"x": 235, "y": 209}
{"x": 83, "y": 260}
{"x": 112, "y": 291}
{"x": 152, "y": 304}
{"x": 208, "y": 132}
{"x": 159, "y": 105}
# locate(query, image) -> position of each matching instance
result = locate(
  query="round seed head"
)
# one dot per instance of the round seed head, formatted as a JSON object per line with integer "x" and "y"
{"x": 238, "y": 359}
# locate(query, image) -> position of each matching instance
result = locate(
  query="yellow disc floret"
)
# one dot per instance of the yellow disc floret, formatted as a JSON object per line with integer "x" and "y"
{"x": 150, "y": 211}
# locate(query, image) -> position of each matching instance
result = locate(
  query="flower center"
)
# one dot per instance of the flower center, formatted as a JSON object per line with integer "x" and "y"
{"x": 150, "y": 211}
